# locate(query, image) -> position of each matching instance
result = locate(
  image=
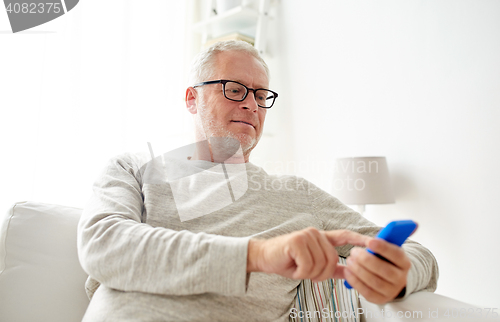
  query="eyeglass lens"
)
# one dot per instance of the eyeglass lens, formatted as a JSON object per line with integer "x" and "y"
{"x": 237, "y": 92}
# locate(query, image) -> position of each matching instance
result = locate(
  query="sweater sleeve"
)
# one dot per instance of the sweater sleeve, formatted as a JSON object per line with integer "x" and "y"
{"x": 423, "y": 274}
{"x": 120, "y": 252}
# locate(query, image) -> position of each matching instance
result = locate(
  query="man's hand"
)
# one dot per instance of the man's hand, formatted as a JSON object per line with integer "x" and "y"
{"x": 377, "y": 280}
{"x": 304, "y": 254}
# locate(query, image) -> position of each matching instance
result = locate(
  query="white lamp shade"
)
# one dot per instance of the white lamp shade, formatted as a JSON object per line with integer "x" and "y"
{"x": 362, "y": 181}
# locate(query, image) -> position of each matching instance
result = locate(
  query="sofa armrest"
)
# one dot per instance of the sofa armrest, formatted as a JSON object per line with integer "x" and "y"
{"x": 40, "y": 276}
{"x": 424, "y": 306}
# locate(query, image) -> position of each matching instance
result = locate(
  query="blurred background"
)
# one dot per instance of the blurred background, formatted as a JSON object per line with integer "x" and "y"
{"x": 415, "y": 81}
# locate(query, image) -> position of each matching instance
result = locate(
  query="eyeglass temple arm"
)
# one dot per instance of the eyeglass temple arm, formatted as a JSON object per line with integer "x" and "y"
{"x": 207, "y": 83}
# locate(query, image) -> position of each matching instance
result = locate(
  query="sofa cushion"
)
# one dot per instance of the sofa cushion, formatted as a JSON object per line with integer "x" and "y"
{"x": 40, "y": 276}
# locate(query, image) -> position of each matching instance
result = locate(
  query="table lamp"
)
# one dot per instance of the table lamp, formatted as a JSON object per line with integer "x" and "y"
{"x": 361, "y": 181}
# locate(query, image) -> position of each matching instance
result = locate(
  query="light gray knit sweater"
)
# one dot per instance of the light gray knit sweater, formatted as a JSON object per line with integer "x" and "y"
{"x": 153, "y": 264}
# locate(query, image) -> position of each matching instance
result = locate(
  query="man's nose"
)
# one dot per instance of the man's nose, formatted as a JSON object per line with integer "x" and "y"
{"x": 250, "y": 103}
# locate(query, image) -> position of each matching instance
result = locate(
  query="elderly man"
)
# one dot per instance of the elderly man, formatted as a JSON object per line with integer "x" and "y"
{"x": 160, "y": 243}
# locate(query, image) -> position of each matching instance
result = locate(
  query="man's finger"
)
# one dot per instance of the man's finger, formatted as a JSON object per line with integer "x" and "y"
{"x": 339, "y": 272}
{"x": 300, "y": 253}
{"x": 331, "y": 258}
{"x": 318, "y": 255}
{"x": 375, "y": 265}
{"x": 344, "y": 237}
{"x": 363, "y": 289}
{"x": 370, "y": 278}
{"x": 392, "y": 253}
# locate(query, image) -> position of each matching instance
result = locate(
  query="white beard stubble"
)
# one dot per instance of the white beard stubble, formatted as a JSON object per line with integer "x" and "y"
{"x": 210, "y": 128}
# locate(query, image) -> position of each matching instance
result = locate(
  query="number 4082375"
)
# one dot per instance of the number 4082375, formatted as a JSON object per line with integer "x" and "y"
{"x": 35, "y": 8}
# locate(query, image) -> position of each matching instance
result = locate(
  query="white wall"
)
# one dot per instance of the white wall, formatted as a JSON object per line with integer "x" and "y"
{"x": 103, "y": 79}
{"x": 419, "y": 83}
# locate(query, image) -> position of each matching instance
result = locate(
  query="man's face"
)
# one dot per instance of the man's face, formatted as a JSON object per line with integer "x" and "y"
{"x": 216, "y": 116}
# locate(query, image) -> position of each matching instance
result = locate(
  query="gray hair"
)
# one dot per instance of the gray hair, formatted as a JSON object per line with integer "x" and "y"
{"x": 203, "y": 67}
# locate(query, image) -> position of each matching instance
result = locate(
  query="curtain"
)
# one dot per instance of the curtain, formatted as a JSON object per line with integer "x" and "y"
{"x": 103, "y": 79}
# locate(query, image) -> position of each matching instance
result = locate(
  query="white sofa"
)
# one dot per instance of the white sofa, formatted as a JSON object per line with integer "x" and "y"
{"x": 42, "y": 280}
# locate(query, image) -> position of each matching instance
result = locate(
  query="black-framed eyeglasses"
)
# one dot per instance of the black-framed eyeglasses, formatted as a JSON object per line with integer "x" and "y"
{"x": 237, "y": 92}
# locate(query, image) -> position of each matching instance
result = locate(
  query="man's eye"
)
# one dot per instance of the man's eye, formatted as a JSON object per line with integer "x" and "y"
{"x": 234, "y": 90}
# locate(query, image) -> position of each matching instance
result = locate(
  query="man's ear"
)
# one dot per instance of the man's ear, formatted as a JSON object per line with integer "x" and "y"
{"x": 191, "y": 96}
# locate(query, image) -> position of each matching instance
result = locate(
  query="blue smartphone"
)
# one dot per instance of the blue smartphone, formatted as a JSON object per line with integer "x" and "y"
{"x": 396, "y": 232}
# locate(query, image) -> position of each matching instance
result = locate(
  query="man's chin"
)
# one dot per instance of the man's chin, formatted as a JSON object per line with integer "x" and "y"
{"x": 247, "y": 142}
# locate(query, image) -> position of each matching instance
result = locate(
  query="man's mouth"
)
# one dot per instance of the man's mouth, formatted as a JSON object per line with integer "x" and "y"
{"x": 244, "y": 123}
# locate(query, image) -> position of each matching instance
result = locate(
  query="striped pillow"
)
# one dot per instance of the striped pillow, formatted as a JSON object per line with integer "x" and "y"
{"x": 328, "y": 300}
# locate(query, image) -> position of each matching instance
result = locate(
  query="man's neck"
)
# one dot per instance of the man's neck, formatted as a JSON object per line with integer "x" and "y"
{"x": 219, "y": 153}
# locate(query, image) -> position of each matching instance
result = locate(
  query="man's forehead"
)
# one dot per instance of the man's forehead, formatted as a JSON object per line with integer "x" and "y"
{"x": 241, "y": 67}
